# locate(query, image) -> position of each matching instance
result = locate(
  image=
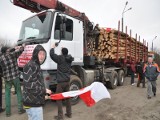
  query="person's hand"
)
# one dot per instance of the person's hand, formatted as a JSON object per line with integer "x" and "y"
{"x": 47, "y": 97}
{"x": 48, "y": 91}
{"x": 53, "y": 46}
{"x": 56, "y": 44}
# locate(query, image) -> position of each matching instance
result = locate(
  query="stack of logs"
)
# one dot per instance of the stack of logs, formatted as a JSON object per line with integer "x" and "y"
{"x": 108, "y": 46}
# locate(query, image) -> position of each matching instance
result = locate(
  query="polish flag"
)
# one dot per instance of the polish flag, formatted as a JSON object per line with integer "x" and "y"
{"x": 90, "y": 95}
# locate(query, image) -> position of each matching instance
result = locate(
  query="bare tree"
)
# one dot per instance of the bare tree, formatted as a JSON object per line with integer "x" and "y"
{"x": 5, "y": 42}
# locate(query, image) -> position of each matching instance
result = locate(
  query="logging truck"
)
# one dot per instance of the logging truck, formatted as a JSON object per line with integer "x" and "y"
{"x": 55, "y": 22}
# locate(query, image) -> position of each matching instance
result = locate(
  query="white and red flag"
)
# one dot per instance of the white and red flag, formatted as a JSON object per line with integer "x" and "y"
{"x": 90, "y": 95}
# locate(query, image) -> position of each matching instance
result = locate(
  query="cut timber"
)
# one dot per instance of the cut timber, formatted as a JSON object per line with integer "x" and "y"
{"x": 108, "y": 45}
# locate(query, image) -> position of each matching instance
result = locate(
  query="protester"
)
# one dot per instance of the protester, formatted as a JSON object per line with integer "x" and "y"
{"x": 1, "y": 109}
{"x": 33, "y": 85}
{"x": 63, "y": 78}
{"x": 12, "y": 50}
{"x": 151, "y": 71}
{"x": 133, "y": 70}
{"x": 10, "y": 70}
{"x": 141, "y": 77}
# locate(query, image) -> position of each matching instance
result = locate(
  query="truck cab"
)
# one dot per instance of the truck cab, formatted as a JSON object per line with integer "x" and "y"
{"x": 45, "y": 28}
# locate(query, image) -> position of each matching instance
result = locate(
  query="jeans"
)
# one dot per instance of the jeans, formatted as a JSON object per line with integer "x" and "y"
{"x": 35, "y": 113}
{"x": 63, "y": 87}
{"x": 151, "y": 88}
{"x": 8, "y": 86}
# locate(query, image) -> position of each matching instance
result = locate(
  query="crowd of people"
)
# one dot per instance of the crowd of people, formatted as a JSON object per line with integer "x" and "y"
{"x": 148, "y": 71}
{"x": 32, "y": 98}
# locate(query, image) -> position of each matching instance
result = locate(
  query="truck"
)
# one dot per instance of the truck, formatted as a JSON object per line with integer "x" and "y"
{"x": 57, "y": 23}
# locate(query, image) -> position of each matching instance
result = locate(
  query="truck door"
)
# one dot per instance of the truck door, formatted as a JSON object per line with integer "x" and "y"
{"x": 67, "y": 39}
{"x": 72, "y": 39}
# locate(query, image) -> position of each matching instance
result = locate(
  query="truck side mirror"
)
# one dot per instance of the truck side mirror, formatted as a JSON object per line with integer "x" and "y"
{"x": 63, "y": 26}
{"x": 62, "y": 30}
{"x": 63, "y": 19}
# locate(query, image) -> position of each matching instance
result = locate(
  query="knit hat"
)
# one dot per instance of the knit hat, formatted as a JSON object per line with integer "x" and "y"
{"x": 64, "y": 51}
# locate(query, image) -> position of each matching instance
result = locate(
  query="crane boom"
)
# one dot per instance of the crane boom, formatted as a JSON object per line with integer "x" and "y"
{"x": 40, "y": 5}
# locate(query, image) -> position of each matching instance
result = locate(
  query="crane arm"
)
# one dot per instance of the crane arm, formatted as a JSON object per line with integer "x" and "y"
{"x": 40, "y": 5}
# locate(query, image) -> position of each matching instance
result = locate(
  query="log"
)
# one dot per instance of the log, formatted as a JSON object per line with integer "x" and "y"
{"x": 106, "y": 36}
{"x": 107, "y": 46}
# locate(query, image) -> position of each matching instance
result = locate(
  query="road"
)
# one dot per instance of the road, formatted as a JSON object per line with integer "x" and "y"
{"x": 127, "y": 103}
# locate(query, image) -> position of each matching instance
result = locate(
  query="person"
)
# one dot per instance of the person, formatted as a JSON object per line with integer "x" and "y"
{"x": 33, "y": 85}
{"x": 133, "y": 70}
{"x": 97, "y": 33}
{"x": 11, "y": 74}
{"x": 141, "y": 78}
{"x": 1, "y": 109}
{"x": 63, "y": 78}
{"x": 151, "y": 71}
{"x": 12, "y": 50}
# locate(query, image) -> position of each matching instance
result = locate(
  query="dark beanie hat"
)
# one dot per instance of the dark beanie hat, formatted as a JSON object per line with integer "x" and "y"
{"x": 64, "y": 51}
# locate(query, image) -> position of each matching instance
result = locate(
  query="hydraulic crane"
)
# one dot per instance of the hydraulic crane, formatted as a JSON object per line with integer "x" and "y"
{"x": 40, "y": 5}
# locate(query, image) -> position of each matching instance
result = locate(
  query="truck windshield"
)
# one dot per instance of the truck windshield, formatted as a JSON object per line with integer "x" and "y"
{"x": 36, "y": 28}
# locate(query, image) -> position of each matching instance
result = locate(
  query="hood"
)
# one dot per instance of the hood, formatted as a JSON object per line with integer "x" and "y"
{"x": 35, "y": 53}
{"x": 69, "y": 58}
{"x": 4, "y": 49}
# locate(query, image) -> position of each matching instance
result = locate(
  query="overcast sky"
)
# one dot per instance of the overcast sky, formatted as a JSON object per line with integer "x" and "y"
{"x": 143, "y": 19}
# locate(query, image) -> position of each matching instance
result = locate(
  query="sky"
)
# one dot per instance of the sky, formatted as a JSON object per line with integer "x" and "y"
{"x": 143, "y": 18}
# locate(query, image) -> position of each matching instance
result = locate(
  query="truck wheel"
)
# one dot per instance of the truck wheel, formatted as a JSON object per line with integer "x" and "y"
{"x": 120, "y": 77}
{"x": 75, "y": 84}
{"x": 113, "y": 80}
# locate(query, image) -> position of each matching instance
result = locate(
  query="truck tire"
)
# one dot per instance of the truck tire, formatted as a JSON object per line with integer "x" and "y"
{"x": 113, "y": 80}
{"x": 121, "y": 77}
{"x": 75, "y": 84}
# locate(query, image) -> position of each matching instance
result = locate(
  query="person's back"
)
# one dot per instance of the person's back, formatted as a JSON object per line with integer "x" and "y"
{"x": 140, "y": 67}
{"x": 133, "y": 70}
{"x": 63, "y": 66}
{"x": 141, "y": 78}
{"x": 63, "y": 78}
{"x": 9, "y": 65}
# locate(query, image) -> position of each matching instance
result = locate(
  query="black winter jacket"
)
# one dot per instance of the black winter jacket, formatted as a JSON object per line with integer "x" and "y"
{"x": 139, "y": 67}
{"x": 34, "y": 88}
{"x": 63, "y": 67}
